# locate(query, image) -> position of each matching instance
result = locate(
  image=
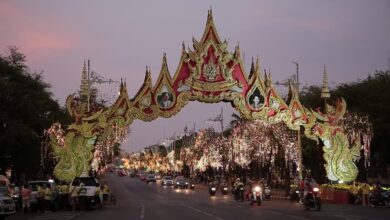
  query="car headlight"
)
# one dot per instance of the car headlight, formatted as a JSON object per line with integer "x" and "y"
{"x": 177, "y": 183}
{"x": 213, "y": 189}
{"x": 186, "y": 183}
{"x": 257, "y": 189}
{"x": 225, "y": 188}
{"x": 316, "y": 189}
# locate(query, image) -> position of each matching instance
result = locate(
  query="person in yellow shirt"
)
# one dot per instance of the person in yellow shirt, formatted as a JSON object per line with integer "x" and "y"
{"x": 49, "y": 205}
{"x": 355, "y": 193}
{"x": 365, "y": 191}
{"x": 41, "y": 198}
{"x": 64, "y": 188}
{"x": 106, "y": 192}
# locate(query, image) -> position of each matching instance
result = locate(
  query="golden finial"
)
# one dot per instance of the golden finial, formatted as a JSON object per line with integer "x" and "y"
{"x": 183, "y": 49}
{"x": 257, "y": 66}
{"x": 164, "y": 62}
{"x": 325, "y": 93}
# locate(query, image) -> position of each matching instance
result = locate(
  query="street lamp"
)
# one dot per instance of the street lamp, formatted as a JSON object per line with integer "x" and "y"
{"x": 295, "y": 79}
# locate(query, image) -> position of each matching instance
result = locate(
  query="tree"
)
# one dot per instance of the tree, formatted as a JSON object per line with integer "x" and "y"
{"x": 27, "y": 108}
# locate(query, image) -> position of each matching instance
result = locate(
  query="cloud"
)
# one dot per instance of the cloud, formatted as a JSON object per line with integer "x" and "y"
{"x": 38, "y": 38}
{"x": 42, "y": 44}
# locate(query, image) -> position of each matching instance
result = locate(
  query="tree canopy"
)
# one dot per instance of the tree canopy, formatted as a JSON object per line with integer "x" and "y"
{"x": 27, "y": 108}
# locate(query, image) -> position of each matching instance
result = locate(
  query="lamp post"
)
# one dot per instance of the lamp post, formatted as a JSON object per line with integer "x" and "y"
{"x": 295, "y": 79}
{"x": 299, "y": 130}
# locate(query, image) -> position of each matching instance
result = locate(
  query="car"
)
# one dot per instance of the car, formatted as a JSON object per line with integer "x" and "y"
{"x": 132, "y": 173}
{"x": 167, "y": 181}
{"x": 85, "y": 187}
{"x": 151, "y": 178}
{"x": 121, "y": 172}
{"x": 181, "y": 182}
{"x": 7, "y": 206}
{"x": 143, "y": 176}
{"x": 33, "y": 185}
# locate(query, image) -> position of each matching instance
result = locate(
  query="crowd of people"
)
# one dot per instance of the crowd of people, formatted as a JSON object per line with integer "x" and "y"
{"x": 52, "y": 197}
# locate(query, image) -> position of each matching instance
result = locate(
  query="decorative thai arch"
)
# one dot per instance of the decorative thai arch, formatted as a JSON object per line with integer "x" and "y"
{"x": 208, "y": 73}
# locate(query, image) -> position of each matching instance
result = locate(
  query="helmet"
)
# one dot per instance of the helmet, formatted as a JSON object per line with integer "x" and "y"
{"x": 238, "y": 179}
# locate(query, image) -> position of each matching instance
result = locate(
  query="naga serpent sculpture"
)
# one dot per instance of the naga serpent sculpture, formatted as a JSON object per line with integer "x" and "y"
{"x": 208, "y": 73}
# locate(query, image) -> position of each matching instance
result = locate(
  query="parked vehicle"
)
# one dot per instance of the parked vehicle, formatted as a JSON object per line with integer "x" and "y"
{"x": 7, "y": 206}
{"x": 85, "y": 188}
{"x": 167, "y": 181}
{"x": 33, "y": 185}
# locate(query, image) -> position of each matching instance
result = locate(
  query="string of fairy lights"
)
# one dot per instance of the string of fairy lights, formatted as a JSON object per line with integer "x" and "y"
{"x": 248, "y": 141}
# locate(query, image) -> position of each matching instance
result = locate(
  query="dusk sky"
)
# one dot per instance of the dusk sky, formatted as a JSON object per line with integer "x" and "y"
{"x": 350, "y": 37}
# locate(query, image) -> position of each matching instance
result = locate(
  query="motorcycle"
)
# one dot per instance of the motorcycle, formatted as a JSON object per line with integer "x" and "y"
{"x": 380, "y": 199}
{"x": 192, "y": 185}
{"x": 213, "y": 188}
{"x": 224, "y": 189}
{"x": 239, "y": 193}
{"x": 312, "y": 199}
{"x": 257, "y": 195}
{"x": 295, "y": 195}
{"x": 267, "y": 193}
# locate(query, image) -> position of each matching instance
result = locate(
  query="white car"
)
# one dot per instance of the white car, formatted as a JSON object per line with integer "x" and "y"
{"x": 33, "y": 185}
{"x": 7, "y": 206}
{"x": 167, "y": 181}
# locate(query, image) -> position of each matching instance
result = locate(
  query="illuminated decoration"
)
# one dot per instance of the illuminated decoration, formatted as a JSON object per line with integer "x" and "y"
{"x": 208, "y": 73}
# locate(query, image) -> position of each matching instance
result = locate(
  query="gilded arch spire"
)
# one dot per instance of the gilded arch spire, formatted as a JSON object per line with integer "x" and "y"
{"x": 208, "y": 74}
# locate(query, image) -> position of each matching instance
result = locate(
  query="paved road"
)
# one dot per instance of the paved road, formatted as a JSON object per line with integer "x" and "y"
{"x": 138, "y": 200}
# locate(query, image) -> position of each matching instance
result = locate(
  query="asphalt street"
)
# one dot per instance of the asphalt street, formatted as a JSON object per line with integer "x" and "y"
{"x": 139, "y": 200}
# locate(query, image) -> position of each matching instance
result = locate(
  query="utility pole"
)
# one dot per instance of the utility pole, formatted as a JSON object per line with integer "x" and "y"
{"x": 88, "y": 79}
{"x": 299, "y": 130}
{"x": 222, "y": 121}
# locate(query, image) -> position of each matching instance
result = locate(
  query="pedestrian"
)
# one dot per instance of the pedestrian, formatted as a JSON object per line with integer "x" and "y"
{"x": 354, "y": 193}
{"x": 365, "y": 193}
{"x": 64, "y": 188}
{"x": 26, "y": 197}
{"x": 41, "y": 198}
{"x": 106, "y": 192}
{"x": 49, "y": 199}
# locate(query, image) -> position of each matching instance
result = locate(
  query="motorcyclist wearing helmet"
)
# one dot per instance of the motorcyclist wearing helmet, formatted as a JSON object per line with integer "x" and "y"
{"x": 310, "y": 183}
{"x": 237, "y": 182}
{"x": 236, "y": 187}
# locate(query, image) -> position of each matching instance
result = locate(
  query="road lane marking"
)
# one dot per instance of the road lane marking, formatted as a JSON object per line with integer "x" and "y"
{"x": 202, "y": 212}
{"x": 142, "y": 212}
{"x": 287, "y": 215}
{"x": 354, "y": 217}
{"x": 55, "y": 216}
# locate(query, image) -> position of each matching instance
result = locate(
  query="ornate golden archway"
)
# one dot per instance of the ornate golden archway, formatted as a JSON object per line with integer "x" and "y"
{"x": 208, "y": 73}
